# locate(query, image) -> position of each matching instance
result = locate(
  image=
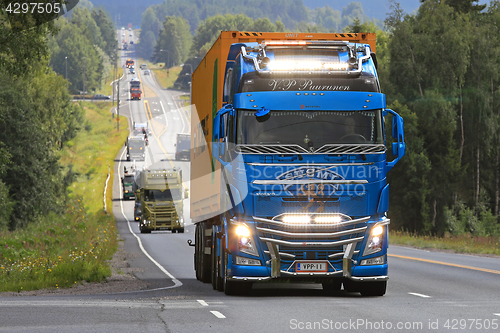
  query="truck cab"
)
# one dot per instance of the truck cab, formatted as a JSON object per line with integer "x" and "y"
{"x": 161, "y": 197}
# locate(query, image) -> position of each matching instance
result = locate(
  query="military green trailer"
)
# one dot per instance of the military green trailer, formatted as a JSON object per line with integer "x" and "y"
{"x": 161, "y": 195}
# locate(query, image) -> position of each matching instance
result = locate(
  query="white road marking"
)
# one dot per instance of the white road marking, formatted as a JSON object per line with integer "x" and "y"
{"x": 497, "y": 314}
{"x": 202, "y": 302}
{"x": 218, "y": 314}
{"x": 420, "y": 295}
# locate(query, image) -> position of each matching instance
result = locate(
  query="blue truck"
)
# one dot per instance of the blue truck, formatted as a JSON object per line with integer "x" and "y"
{"x": 289, "y": 162}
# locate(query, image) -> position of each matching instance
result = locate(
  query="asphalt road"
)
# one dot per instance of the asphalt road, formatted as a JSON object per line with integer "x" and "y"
{"x": 427, "y": 291}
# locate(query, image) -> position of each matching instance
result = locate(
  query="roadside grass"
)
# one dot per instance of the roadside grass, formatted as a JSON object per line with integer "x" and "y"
{"x": 460, "y": 244}
{"x": 161, "y": 75}
{"x": 64, "y": 250}
{"x": 185, "y": 99}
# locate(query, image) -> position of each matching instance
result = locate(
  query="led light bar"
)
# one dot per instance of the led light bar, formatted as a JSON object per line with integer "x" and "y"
{"x": 329, "y": 219}
{"x": 306, "y": 66}
{"x": 297, "y": 219}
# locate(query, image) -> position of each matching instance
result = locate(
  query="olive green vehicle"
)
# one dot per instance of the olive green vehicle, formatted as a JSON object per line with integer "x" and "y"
{"x": 161, "y": 195}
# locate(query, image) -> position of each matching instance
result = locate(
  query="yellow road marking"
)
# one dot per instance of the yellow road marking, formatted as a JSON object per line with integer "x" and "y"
{"x": 446, "y": 264}
{"x": 149, "y": 114}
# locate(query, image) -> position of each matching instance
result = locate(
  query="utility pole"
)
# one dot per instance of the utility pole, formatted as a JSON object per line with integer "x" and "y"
{"x": 66, "y": 60}
{"x": 118, "y": 109}
{"x": 84, "y": 65}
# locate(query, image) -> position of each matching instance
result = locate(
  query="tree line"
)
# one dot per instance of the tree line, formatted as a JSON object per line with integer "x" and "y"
{"x": 444, "y": 79}
{"x": 37, "y": 116}
{"x": 200, "y": 18}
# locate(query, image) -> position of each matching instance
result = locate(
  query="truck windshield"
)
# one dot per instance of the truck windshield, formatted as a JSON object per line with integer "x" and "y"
{"x": 183, "y": 144}
{"x": 310, "y": 129}
{"x": 157, "y": 195}
{"x": 136, "y": 144}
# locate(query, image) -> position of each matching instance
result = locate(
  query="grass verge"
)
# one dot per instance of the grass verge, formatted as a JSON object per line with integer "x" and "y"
{"x": 167, "y": 81}
{"x": 460, "y": 244}
{"x": 63, "y": 250}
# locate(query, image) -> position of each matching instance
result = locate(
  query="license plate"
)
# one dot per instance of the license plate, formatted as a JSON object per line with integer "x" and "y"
{"x": 311, "y": 267}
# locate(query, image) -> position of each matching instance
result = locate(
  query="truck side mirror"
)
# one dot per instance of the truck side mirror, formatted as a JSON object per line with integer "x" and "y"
{"x": 398, "y": 147}
{"x": 186, "y": 194}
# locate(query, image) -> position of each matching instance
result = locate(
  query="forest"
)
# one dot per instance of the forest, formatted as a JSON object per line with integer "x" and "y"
{"x": 41, "y": 68}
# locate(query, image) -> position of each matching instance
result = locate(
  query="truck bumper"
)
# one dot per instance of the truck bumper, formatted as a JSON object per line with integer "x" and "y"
{"x": 263, "y": 273}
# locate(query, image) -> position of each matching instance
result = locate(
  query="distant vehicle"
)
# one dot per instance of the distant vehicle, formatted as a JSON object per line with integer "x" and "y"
{"x": 131, "y": 42}
{"x": 137, "y": 210}
{"x": 135, "y": 93}
{"x": 129, "y": 29}
{"x": 144, "y": 66}
{"x": 147, "y": 72}
{"x": 136, "y": 148}
{"x": 182, "y": 147}
{"x": 127, "y": 184}
{"x": 130, "y": 35}
{"x": 123, "y": 28}
{"x": 100, "y": 96}
{"x": 129, "y": 63}
{"x": 132, "y": 71}
{"x": 125, "y": 46}
{"x": 123, "y": 34}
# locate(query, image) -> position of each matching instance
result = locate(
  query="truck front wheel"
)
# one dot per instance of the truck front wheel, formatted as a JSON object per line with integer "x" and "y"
{"x": 234, "y": 287}
{"x": 374, "y": 288}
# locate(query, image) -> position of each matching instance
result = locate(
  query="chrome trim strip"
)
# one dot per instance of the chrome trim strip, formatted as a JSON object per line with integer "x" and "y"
{"x": 311, "y": 244}
{"x": 369, "y": 278}
{"x": 282, "y": 254}
{"x": 311, "y": 234}
{"x": 250, "y": 278}
{"x": 340, "y": 254}
{"x": 336, "y": 225}
{"x": 307, "y": 181}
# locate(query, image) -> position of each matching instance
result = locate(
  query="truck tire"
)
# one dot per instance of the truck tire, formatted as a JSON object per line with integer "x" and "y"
{"x": 203, "y": 260}
{"x": 181, "y": 230}
{"x": 217, "y": 280}
{"x": 374, "y": 288}
{"x": 331, "y": 287}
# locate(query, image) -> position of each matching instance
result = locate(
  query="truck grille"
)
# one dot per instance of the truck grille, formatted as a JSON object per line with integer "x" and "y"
{"x": 310, "y": 241}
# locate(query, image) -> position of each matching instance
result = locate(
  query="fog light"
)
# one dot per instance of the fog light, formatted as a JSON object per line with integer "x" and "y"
{"x": 247, "y": 261}
{"x": 373, "y": 261}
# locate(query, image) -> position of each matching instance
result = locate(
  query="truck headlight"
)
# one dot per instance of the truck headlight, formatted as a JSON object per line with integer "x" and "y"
{"x": 375, "y": 241}
{"x": 245, "y": 240}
